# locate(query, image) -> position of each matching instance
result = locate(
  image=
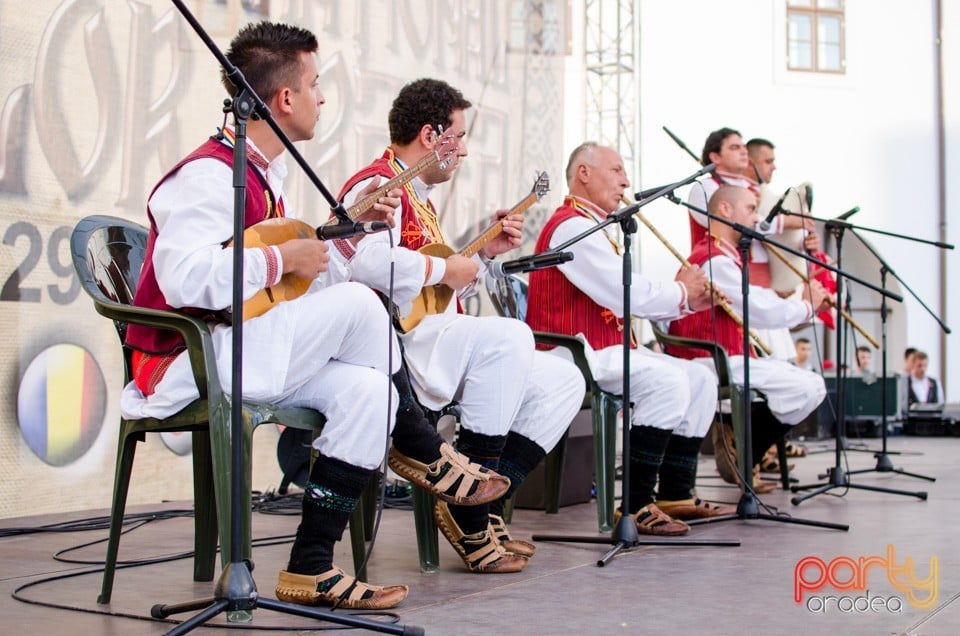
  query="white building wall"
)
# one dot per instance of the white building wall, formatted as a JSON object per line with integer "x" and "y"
{"x": 866, "y": 138}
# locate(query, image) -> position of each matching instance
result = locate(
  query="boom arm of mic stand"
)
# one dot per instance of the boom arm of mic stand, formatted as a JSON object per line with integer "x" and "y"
{"x": 886, "y": 266}
{"x": 628, "y": 211}
{"x": 757, "y": 236}
{"x": 850, "y": 226}
{"x": 262, "y": 111}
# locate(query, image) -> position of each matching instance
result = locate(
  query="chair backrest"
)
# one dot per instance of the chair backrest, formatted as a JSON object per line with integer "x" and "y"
{"x": 509, "y": 296}
{"x": 108, "y": 253}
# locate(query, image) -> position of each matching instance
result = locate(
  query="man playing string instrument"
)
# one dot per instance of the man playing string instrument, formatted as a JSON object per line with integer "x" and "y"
{"x": 675, "y": 399}
{"x": 515, "y": 404}
{"x": 791, "y": 393}
{"x": 307, "y": 352}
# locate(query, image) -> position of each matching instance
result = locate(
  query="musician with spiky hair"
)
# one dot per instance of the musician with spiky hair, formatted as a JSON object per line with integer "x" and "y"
{"x": 309, "y": 351}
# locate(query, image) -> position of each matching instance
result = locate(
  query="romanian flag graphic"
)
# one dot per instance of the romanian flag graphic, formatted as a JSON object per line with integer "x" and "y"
{"x": 60, "y": 404}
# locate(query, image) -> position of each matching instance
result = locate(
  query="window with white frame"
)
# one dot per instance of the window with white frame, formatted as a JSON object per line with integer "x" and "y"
{"x": 815, "y": 36}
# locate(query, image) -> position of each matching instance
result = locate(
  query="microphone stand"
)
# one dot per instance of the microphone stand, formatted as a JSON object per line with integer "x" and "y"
{"x": 836, "y": 476}
{"x": 235, "y": 593}
{"x": 749, "y": 505}
{"x": 884, "y": 464}
{"x": 625, "y": 534}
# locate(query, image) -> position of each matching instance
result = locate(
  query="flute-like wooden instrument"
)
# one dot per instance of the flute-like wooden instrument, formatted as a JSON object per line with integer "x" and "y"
{"x": 724, "y": 304}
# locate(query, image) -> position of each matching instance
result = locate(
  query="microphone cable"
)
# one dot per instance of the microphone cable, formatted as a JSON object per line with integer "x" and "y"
{"x": 382, "y": 473}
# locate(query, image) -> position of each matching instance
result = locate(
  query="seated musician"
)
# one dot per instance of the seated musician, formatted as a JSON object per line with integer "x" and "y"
{"x": 791, "y": 393}
{"x": 515, "y": 403}
{"x": 311, "y": 351}
{"x": 674, "y": 399}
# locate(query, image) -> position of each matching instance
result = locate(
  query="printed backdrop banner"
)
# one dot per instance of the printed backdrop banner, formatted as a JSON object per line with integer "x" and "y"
{"x": 98, "y": 98}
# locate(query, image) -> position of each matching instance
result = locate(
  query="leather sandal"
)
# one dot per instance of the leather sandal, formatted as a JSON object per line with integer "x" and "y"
{"x": 770, "y": 463}
{"x": 651, "y": 520}
{"x": 498, "y": 527}
{"x": 326, "y": 589}
{"x": 452, "y": 478}
{"x": 481, "y": 552}
{"x": 694, "y": 508}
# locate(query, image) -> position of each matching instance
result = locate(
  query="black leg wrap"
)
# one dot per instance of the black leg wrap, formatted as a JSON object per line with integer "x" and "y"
{"x": 413, "y": 435}
{"x": 486, "y": 451}
{"x": 766, "y": 430}
{"x": 520, "y": 456}
{"x": 678, "y": 472}
{"x": 647, "y": 446}
{"x": 328, "y": 500}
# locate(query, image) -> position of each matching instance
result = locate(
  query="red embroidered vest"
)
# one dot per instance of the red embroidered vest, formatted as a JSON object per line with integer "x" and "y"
{"x": 259, "y": 206}
{"x": 704, "y": 325}
{"x": 556, "y": 305}
{"x": 414, "y": 230}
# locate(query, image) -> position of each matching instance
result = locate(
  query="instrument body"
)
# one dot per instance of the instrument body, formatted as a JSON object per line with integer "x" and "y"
{"x": 434, "y": 299}
{"x": 279, "y": 230}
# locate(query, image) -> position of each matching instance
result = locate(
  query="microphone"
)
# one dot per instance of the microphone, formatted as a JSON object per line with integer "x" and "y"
{"x": 645, "y": 194}
{"x": 649, "y": 192}
{"x": 346, "y": 230}
{"x": 846, "y": 215}
{"x": 774, "y": 211}
{"x": 543, "y": 260}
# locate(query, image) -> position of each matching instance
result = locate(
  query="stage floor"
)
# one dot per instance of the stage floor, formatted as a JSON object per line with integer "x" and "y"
{"x": 704, "y": 590}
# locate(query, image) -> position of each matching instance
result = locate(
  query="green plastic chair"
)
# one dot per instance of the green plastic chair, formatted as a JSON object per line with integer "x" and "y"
{"x": 108, "y": 253}
{"x": 509, "y": 297}
{"x": 727, "y": 390}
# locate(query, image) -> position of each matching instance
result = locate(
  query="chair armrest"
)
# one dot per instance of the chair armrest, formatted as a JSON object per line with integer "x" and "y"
{"x": 194, "y": 331}
{"x": 716, "y": 351}
{"x": 574, "y": 346}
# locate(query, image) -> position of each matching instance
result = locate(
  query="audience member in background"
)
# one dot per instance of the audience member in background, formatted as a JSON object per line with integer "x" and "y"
{"x": 908, "y": 354}
{"x": 862, "y": 365}
{"x": 802, "y": 359}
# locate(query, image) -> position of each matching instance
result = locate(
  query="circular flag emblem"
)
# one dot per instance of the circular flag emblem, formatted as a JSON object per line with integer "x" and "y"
{"x": 61, "y": 403}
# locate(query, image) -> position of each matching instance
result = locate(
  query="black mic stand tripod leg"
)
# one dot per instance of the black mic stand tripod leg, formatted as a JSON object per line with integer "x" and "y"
{"x": 748, "y": 507}
{"x": 625, "y": 534}
{"x": 884, "y": 463}
{"x": 836, "y": 476}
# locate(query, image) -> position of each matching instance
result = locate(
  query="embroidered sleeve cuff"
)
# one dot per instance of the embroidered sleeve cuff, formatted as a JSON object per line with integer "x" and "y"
{"x": 274, "y": 263}
{"x": 345, "y": 247}
{"x": 435, "y": 271}
{"x": 809, "y": 309}
{"x": 684, "y": 308}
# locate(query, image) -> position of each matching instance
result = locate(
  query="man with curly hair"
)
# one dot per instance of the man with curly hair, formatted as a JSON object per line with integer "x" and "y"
{"x": 515, "y": 404}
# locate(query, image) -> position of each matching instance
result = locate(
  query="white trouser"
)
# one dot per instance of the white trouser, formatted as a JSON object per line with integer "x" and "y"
{"x": 327, "y": 350}
{"x": 668, "y": 393}
{"x": 792, "y": 393}
{"x": 489, "y": 366}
